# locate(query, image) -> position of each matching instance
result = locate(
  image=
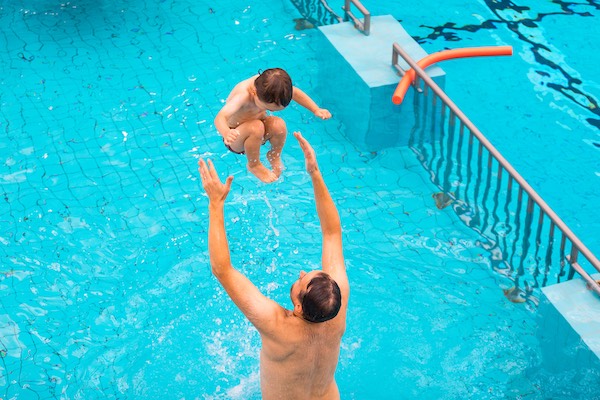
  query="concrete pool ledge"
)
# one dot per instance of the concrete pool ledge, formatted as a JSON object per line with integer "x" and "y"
{"x": 360, "y": 81}
{"x": 578, "y": 310}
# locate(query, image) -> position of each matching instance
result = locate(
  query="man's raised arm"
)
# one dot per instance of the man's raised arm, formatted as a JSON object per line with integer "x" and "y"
{"x": 218, "y": 248}
{"x": 332, "y": 257}
{"x": 256, "y": 307}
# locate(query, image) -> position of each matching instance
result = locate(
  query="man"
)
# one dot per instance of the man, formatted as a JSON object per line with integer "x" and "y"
{"x": 300, "y": 347}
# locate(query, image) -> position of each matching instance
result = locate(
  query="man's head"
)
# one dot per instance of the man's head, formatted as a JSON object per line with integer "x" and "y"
{"x": 274, "y": 86}
{"x": 316, "y": 296}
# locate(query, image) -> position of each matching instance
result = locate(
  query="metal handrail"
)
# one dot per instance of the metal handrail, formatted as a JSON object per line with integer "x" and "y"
{"x": 577, "y": 245}
{"x": 364, "y": 27}
{"x": 396, "y": 49}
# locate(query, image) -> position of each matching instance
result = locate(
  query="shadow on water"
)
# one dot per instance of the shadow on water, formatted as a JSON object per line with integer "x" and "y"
{"x": 59, "y": 21}
{"x": 523, "y": 244}
{"x": 37, "y": 29}
{"x": 49, "y": 14}
{"x": 316, "y": 12}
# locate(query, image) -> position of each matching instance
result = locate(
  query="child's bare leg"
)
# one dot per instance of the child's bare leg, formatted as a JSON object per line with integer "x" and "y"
{"x": 275, "y": 133}
{"x": 253, "y": 132}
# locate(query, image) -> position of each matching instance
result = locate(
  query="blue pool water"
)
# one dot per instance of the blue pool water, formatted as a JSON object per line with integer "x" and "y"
{"x": 105, "y": 283}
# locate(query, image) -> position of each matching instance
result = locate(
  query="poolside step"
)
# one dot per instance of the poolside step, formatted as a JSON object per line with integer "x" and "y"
{"x": 359, "y": 81}
{"x": 570, "y": 325}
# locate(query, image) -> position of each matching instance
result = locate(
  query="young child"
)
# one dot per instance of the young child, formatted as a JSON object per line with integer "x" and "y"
{"x": 245, "y": 126}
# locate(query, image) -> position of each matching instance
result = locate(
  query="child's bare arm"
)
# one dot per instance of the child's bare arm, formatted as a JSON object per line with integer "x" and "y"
{"x": 222, "y": 120}
{"x": 305, "y": 101}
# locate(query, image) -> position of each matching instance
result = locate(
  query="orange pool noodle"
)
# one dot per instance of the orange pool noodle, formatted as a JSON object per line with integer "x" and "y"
{"x": 425, "y": 62}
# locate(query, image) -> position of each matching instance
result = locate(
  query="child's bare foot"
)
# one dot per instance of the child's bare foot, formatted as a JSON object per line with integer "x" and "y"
{"x": 263, "y": 173}
{"x": 275, "y": 160}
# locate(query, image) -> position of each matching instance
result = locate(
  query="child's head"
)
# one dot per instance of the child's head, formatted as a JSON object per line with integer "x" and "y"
{"x": 274, "y": 86}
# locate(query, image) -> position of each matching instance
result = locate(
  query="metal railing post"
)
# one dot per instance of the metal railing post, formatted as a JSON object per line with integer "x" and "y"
{"x": 395, "y": 54}
{"x": 364, "y": 27}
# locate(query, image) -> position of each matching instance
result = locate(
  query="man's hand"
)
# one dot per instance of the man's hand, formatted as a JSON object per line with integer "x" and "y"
{"x": 309, "y": 153}
{"x": 215, "y": 189}
{"x": 323, "y": 113}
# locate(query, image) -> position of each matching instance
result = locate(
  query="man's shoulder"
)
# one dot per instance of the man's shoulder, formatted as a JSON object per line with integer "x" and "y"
{"x": 272, "y": 317}
{"x": 282, "y": 325}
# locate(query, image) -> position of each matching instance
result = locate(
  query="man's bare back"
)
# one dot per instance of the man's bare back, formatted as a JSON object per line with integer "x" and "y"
{"x": 298, "y": 360}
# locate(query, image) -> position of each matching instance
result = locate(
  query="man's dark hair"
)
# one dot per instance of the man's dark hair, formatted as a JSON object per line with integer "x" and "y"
{"x": 274, "y": 86}
{"x": 322, "y": 299}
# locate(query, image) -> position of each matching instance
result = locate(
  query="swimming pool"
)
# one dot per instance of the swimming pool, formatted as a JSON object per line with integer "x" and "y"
{"x": 106, "y": 290}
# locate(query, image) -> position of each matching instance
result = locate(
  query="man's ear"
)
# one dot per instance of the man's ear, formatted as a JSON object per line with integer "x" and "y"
{"x": 298, "y": 309}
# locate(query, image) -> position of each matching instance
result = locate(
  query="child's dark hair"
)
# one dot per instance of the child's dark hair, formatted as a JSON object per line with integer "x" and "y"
{"x": 274, "y": 86}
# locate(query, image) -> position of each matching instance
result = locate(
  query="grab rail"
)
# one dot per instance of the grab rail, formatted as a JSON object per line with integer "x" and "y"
{"x": 364, "y": 27}
{"x": 577, "y": 247}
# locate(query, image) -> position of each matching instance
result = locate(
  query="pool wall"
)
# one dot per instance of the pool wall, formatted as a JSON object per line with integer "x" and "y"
{"x": 570, "y": 324}
{"x": 360, "y": 76}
